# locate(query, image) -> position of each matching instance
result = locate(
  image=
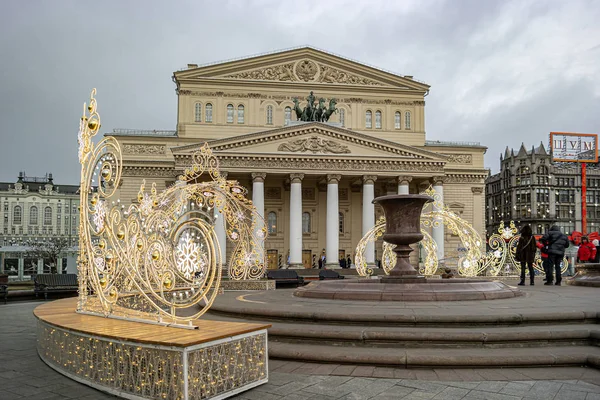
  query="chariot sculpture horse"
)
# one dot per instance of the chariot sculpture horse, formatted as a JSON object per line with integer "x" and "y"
{"x": 319, "y": 113}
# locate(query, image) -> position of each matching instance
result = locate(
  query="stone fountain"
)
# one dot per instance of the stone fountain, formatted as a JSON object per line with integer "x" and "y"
{"x": 403, "y": 229}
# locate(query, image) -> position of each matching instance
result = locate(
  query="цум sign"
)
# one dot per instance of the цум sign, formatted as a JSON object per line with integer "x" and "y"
{"x": 574, "y": 147}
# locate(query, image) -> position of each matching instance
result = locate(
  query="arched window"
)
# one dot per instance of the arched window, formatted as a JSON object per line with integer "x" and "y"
{"x": 378, "y": 120}
{"x": 341, "y": 222}
{"x": 368, "y": 119}
{"x": 33, "y": 215}
{"x": 47, "y": 216}
{"x": 240, "y": 114}
{"x": 208, "y": 117}
{"x": 407, "y": 120}
{"x": 230, "y": 113}
{"x": 272, "y": 222}
{"x": 17, "y": 215}
{"x": 397, "y": 120}
{"x": 305, "y": 222}
{"x": 198, "y": 113}
{"x": 288, "y": 115}
{"x": 342, "y": 117}
{"x": 269, "y": 115}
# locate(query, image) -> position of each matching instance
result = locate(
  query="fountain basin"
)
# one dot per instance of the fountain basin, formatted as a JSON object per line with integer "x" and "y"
{"x": 424, "y": 290}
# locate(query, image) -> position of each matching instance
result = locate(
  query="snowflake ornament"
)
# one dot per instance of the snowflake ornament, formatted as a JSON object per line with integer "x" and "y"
{"x": 187, "y": 255}
{"x": 146, "y": 204}
{"x": 99, "y": 215}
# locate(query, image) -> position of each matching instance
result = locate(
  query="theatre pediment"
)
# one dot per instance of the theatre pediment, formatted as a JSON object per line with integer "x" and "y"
{"x": 316, "y": 140}
{"x": 303, "y": 65}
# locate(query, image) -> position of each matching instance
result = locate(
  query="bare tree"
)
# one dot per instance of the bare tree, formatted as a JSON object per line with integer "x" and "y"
{"x": 48, "y": 250}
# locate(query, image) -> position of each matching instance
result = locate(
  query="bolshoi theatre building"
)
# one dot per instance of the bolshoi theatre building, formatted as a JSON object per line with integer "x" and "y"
{"x": 313, "y": 179}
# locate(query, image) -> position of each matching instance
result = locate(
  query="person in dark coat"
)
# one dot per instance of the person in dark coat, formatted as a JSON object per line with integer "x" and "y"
{"x": 526, "y": 249}
{"x": 557, "y": 242}
{"x": 348, "y": 262}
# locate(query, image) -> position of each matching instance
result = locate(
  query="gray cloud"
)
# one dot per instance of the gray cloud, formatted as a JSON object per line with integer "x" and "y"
{"x": 501, "y": 72}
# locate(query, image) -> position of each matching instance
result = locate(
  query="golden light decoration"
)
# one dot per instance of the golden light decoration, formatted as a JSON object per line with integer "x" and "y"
{"x": 434, "y": 214}
{"x": 503, "y": 246}
{"x": 150, "y": 260}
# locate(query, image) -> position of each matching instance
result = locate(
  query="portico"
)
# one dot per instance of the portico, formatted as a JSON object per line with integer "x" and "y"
{"x": 325, "y": 209}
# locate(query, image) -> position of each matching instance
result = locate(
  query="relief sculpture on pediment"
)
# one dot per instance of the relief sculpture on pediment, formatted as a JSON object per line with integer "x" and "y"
{"x": 333, "y": 75}
{"x": 305, "y": 71}
{"x": 314, "y": 144}
{"x": 282, "y": 72}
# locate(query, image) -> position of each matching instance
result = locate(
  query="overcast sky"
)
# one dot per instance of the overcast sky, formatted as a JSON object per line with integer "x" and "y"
{"x": 501, "y": 72}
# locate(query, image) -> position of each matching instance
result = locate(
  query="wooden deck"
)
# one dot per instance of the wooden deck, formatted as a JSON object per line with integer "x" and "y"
{"x": 61, "y": 313}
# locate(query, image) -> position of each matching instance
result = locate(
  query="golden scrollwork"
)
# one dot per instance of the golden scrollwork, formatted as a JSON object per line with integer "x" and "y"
{"x": 434, "y": 215}
{"x": 150, "y": 260}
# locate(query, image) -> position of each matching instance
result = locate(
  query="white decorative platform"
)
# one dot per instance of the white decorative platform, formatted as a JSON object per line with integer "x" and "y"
{"x": 142, "y": 361}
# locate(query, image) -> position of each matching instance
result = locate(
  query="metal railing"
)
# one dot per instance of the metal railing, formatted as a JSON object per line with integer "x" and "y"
{"x": 440, "y": 143}
{"x": 141, "y": 132}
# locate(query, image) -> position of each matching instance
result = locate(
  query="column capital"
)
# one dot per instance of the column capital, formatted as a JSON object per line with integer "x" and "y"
{"x": 477, "y": 190}
{"x": 438, "y": 180}
{"x": 369, "y": 179}
{"x": 296, "y": 178}
{"x": 333, "y": 178}
{"x": 259, "y": 176}
{"x": 404, "y": 180}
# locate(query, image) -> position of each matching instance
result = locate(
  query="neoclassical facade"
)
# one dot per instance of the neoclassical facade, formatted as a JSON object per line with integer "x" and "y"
{"x": 314, "y": 182}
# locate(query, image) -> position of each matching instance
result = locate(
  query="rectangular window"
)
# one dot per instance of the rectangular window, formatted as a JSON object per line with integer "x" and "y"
{"x": 368, "y": 120}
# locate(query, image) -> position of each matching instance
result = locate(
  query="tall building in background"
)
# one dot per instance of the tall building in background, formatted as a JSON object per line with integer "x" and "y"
{"x": 531, "y": 189}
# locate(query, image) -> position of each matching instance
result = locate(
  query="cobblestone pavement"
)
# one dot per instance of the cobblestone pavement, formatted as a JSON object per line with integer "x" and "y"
{"x": 24, "y": 376}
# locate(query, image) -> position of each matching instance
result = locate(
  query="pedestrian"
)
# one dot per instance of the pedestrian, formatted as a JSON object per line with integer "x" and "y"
{"x": 556, "y": 242}
{"x": 342, "y": 262}
{"x": 587, "y": 251}
{"x": 320, "y": 263}
{"x": 544, "y": 256}
{"x": 349, "y": 262}
{"x": 571, "y": 256}
{"x": 597, "y": 245}
{"x": 525, "y": 253}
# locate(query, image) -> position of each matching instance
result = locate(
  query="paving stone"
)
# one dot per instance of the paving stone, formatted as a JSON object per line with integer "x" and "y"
{"x": 325, "y": 369}
{"x": 451, "y": 393}
{"x": 481, "y": 395}
{"x": 492, "y": 386}
{"x": 395, "y": 392}
{"x": 543, "y": 390}
{"x": 447, "y": 375}
{"x": 363, "y": 371}
{"x": 426, "y": 375}
{"x": 383, "y": 372}
{"x": 569, "y": 395}
{"x": 592, "y": 396}
{"x": 401, "y": 373}
{"x": 344, "y": 370}
{"x": 516, "y": 388}
{"x": 431, "y": 387}
{"x": 24, "y": 390}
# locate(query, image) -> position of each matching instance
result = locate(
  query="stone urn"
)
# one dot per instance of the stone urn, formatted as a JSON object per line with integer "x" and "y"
{"x": 403, "y": 228}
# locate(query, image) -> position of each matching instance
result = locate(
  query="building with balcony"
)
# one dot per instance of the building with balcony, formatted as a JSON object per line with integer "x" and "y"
{"x": 34, "y": 209}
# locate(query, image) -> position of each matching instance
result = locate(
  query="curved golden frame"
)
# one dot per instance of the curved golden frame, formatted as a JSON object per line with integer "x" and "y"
{"x": 433, "y": 215}
{"x": 504, "y": 245}
{"x": 152, "y": 259}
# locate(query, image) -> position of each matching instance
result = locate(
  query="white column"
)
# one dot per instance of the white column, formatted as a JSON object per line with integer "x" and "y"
{"x": 403, "y": 182}
{"x": 258, "y": 199}
{"x": 368, "y": 217}
{"x": 332, "y": 253}
{"x": 296, "y": 221}
{"x": 220, "y": 230}
{"x": 438, "y": 228}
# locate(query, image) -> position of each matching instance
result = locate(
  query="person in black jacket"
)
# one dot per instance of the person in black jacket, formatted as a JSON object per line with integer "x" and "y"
{"x": 557, "y": 242}
{"x": 526, "y": 249}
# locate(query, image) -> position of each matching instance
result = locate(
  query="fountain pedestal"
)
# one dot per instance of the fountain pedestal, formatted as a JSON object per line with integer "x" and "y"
{"x": 403, "y": 228}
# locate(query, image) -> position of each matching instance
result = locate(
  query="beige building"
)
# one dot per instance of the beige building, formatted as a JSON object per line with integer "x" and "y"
{"x": 313, "y": 181}
{"x": 35, "y": 209}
